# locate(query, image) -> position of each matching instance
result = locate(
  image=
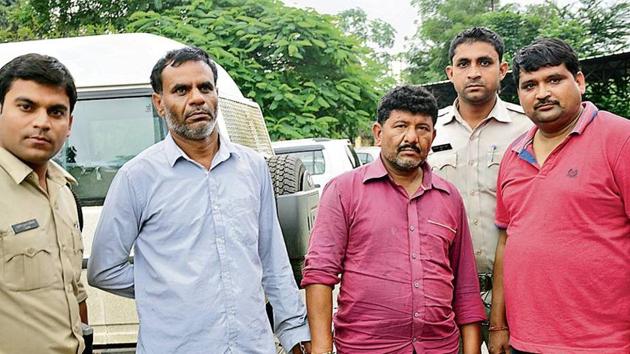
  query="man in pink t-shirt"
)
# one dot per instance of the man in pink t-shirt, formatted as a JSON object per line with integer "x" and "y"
{"x": 562, "y": 265}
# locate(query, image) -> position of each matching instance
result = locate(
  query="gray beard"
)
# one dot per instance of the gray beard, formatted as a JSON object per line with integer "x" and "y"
{"x": 184, "y": 131}
{"x": 402, "y": 165}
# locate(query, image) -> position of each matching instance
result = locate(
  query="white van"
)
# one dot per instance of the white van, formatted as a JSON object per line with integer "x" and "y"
{"x": 114, "y": 120}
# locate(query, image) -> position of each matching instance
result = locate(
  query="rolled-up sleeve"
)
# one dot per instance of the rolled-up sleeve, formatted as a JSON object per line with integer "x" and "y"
{"x": 467, "y": 304}
{"x": 329, "y": 238}
{"x": 289, "y": 312}
{"x": 109, "y": 268}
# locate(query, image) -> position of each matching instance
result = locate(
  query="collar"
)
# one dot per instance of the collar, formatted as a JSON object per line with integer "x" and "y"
{"x": 589, "y": 112}
{"x": 174, "y": 152}
{"x": 498, "y": 112}
{"x": 18, "y": 170}
{"x": 376, "y": 170}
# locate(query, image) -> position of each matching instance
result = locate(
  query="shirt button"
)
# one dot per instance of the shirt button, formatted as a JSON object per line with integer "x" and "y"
{"x": 478, "y": 253}
{"x": 416, "y": 314}
{"x": 472, "y": 192}
{"x": 413, "y": 255}
{"x": 476, "y": 222}
{"x": 416, "y": 284}
{"x": 412, "y": 228}
{"x": 413, "y": 339}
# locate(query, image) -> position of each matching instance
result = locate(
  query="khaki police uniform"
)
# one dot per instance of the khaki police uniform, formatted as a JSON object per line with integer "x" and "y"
{"x": 469, "y": 158}
{"x": 41, "y": 254}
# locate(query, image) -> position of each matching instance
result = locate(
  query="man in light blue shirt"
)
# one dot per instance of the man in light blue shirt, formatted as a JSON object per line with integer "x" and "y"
{"x": 200, "y": 214}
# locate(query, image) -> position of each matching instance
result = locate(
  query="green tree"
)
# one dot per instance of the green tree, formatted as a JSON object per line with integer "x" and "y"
{"x": 307, "y": 76}
{"x": 591, "y": 28}
{"x": 41, "y": 19}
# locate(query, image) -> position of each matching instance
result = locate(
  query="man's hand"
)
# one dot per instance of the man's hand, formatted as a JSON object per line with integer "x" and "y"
{"x": 499, "y": 342}
{"x": 298, "y": 350}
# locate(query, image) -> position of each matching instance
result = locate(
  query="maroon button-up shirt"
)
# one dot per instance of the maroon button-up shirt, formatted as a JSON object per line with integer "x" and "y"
{"x": 407, "y": 264}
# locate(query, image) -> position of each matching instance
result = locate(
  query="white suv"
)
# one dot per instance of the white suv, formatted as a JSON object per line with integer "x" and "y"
{"x": 323, "y": 158}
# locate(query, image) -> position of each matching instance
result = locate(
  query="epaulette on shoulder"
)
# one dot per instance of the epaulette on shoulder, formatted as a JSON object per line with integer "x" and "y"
{"x": 514, "y": 108}
{"x": 444, "y": 111}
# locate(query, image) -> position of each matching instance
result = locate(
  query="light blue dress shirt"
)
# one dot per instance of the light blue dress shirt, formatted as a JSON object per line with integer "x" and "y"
{"x": 208, "y": 247}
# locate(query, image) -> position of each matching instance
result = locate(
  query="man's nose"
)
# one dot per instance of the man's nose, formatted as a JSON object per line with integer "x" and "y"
{"x": 196, "y": 97}
{"x": 473, "y": 72}
{"x": 41, "y": 120}
{"x": 411, "y": 136}
{"x": 542, "y": 92}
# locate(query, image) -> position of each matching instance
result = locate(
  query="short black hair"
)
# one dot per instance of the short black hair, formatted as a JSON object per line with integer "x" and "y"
{"x": 544, "y": 52}
{"x": 477, "y": 34}
{"x": 177, "y": 57}
{"x": 42, "y": 69}
{"x": 407, "y": 98}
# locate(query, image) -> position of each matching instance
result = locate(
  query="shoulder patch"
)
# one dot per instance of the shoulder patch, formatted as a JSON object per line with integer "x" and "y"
{"x": 444, "y": 111}
{"x": 514, "y": 107}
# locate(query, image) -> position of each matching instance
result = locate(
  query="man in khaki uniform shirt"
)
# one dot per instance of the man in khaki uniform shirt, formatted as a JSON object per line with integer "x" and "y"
{"x": 472, "y": 136}
{"x": 41, "y": 249}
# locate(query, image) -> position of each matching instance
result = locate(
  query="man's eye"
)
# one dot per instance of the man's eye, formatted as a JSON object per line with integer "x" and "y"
{"x": 205, "y": 89}
{"x": 462, "y": 64}
{"x": 485, "y": 63}
{"x": 56, "y": 113}
{"x": 25, "y": 106}
{"x": 180, "y": 91}
{"x": 527, "y": 86}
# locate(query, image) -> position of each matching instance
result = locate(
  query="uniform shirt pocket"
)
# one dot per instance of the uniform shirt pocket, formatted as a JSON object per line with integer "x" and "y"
{"x": 444, "y": 164}
{"x": 27, "y": 260}
{"x": 493, "y": 159}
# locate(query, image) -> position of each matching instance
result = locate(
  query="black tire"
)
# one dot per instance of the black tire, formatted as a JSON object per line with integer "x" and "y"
{"x": 288, "y": 175}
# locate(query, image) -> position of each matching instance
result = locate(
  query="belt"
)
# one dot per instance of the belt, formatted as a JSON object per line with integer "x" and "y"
{"x": 485, "y": 282}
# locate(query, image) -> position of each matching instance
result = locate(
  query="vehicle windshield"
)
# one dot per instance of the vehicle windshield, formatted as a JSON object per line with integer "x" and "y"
{"x": 106, "y": 133}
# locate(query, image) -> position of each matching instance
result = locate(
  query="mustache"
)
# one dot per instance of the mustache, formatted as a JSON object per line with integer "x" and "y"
{"x": 545, "y": 102}
{"x": 409, "y": 146}
{"x": 40, "y": 135}
{"x": 201, "y": 110}
{"x": 475, "y": 83}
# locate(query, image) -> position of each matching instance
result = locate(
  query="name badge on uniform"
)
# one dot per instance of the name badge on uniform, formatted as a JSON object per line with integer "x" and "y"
{"x": 442, "y": 147}
{"x": 25, "y": 226}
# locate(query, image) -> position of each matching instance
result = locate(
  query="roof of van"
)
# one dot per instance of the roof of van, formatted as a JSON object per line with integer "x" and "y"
{"x": 110, "y": 61}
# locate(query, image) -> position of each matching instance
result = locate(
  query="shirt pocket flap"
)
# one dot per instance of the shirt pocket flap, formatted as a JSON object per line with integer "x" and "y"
{"x": 441, "y": 161}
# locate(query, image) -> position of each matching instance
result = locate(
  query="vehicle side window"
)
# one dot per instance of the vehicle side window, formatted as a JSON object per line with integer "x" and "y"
{"x": 313, "y": 161}
{"x": 365, "y": 157}
{"x": 106, "y": 133}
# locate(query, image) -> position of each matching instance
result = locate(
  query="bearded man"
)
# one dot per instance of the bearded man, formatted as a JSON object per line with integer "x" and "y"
{"x": 396, "y": 236}
{"x": 200, "y": 214}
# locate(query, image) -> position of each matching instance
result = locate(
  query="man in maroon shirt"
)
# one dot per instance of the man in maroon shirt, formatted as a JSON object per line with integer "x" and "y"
{"x": 397, "y": 238}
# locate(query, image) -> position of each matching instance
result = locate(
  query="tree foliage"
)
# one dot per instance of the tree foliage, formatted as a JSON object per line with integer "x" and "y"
{"x": 591, "y": 28}
{"x": 309, "y": 77}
